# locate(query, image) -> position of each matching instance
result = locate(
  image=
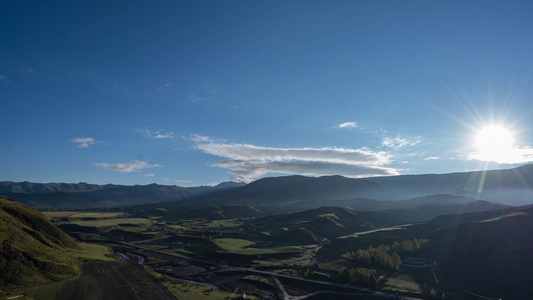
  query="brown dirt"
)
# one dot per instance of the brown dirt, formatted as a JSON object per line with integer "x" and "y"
{"x": 114, "y": 280}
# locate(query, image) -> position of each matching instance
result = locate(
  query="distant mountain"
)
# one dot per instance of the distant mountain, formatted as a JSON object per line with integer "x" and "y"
{"x": 510, "y": 186}
{"x": 284, "y": 190}
{"x": 75, "y": 195}
{"x": 36, "y": 188}
{"x": 32, "y": 249}
{"x": 291, "y": 193}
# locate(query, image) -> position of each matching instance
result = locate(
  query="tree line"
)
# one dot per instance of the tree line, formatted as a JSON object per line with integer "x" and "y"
{"x": 381, "y": 255}
{"x": 361, "y": 276}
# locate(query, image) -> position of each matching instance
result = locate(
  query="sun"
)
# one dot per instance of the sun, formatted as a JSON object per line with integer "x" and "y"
{"x": 494, "y": 143}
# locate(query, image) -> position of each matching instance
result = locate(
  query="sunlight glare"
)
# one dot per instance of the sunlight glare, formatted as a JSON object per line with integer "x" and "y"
{"x": 494, "y": 142}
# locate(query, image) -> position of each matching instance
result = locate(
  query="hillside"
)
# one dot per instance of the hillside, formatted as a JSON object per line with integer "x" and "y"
{"x": 321, "y": 225}
{"x": 32, "y": 249}
{"x": 493, "y": 254}
{"x": 214, "y": 213}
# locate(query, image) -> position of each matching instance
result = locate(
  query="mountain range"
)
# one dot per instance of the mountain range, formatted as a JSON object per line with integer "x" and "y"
{"x": 471, "y": 190}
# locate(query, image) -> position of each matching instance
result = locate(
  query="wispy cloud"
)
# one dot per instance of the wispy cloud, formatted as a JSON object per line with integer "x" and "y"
{"x": 199, "y": 138}
{"x": 27, "y": 71}
{"x": 432, "y": 158}
{"x": 248, "y": 162}
{"x": 134, "y": 166}
{"x": 83, "y": 142}
{"x": 156, "y": 134}
{"x": 149, "y": 175}
{"x": 348, "y": 125}
{"x": 398, "y": 142}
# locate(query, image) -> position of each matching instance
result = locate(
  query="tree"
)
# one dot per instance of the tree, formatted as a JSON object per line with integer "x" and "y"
{"x": 395, "y": 261}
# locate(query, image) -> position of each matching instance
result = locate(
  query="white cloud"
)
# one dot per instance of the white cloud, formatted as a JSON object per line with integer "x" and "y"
{"x": 134, "y": 166}
{"x": 149, "y": 175}
{"x": 513, "y": 155}
{"x": 247, "y": 162}
{"x": 432, "y": 158}
{"x": 199, "y": 138}
{"x": 348, "y": 125}
{"x": 156, "y": 134}
{"x": 83, "y": 142}
{"x": 398, "y": 142}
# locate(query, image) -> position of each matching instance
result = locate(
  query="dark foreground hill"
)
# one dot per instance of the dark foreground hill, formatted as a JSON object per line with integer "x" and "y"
{"x": 32, "y": 249}
{"x": 488, "y": 253}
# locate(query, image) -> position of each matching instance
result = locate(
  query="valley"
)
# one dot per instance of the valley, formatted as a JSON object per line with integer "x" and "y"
{"x": 277, "y": 238}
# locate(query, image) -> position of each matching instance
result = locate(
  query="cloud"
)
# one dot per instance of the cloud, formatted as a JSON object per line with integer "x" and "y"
{"x": 83, "y": 142}
{"x": 348, "y": 125}
{"x": 27, "y": 70}
{"x": 134, "y": 166}
{"x": 398, "y": 142}
{"x": 432, "y": 158}
{"x": 512, "y": 155}
{"x": 149, "y": 175}
{"x": 156, "y": 134}
{"x": 247, "y": 162}
{"x": 199, "y": 138}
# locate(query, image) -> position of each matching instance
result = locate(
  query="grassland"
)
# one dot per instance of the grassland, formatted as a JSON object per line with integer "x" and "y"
{"x": 244, "y": 243}
{"x": 77, "y": 215}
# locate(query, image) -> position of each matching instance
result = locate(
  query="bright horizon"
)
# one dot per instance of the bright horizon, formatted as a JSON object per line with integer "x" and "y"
{"x": 193, "y": 93}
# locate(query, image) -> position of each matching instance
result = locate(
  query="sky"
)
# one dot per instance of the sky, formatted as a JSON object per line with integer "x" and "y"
{"x": 194, "y": 93}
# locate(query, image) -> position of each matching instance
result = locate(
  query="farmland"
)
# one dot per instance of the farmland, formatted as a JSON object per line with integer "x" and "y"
{"x": 249, "y": 244}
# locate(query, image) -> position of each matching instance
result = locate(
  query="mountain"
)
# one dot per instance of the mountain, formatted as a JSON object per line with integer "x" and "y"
{"x": 291, "y": 193}
{"x": 35, "y": 188}
{"x": 72, "y": 195}
{"x": 510, "y": 186}
{"x": 285, "y": 190}
{"x": 33, "y": 250}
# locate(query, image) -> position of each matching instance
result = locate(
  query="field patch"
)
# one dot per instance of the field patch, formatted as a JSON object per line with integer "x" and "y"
{"x": 231, "y": 244}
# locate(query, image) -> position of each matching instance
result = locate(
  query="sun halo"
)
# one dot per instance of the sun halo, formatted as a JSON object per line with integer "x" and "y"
{"x": 494, "y": 142}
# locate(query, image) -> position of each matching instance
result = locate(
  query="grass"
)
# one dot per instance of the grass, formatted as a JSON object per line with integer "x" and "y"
{"x": 231, "y": 244}
{"x": 179, "y": 227}
{"x": 225, "y": 223}
{"x": 98, "y": 215}
{"x": 187, "y": 291}
{"x": 59, "y": 214}
{"x": 110, "y": 222}
{"x": 92, "y": 252}
{"x": 46, "y": 291}
{"x": 402, "y": 283}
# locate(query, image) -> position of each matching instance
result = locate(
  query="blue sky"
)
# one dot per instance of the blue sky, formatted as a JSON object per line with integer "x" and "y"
{"x": 199, "y": 92}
